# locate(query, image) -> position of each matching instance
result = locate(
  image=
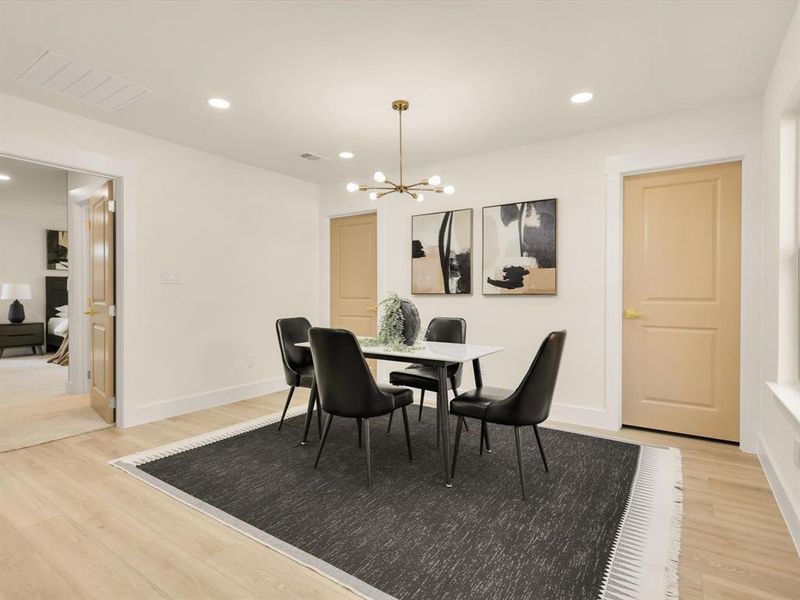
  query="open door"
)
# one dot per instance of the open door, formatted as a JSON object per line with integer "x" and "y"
{"x": 102, "y": 308}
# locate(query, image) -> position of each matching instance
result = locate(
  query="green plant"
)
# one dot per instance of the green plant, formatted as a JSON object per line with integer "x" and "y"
{"x": 390, "y": 326}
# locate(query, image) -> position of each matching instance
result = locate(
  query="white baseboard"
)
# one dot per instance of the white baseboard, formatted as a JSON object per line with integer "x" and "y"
{"x": 581, "y": 415}
{"x": 164, "y": 409}
{"x": 782, "y": 497}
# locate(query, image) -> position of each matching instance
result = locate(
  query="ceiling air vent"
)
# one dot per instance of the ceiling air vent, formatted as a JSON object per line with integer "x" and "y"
{"x": 312, "y": 157}
{"x": 71, "y": 78}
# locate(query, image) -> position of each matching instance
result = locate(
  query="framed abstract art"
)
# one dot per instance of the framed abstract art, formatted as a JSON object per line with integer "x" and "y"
{"x": 519, "y": 248}
{"x": 441, "y": 252}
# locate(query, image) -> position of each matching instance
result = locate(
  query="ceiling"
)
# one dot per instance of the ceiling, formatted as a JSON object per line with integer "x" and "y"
{"x": 320, "y": 76}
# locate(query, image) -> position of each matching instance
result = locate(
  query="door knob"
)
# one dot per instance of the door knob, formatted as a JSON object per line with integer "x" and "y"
{"x": 373, "y": 308}
{"x": 632, "y": 314}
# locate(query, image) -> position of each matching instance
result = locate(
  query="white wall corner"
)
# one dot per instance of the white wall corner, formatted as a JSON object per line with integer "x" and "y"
{"x": 790, "y": 512}
{"x": 587, "y": 417}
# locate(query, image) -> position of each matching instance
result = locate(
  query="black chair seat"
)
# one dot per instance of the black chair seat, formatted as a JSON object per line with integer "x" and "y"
{"x": 419, "y": 377}
{"x": 305, "y": 376}
{"x": 475, "y": 403}
{"x": 401, "y": 396}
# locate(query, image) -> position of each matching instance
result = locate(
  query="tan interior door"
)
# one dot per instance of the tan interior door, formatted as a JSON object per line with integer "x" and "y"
{"x": 354, "y": 274}
{"x": 681, "y": 285}
{"x": 101, "y": 301}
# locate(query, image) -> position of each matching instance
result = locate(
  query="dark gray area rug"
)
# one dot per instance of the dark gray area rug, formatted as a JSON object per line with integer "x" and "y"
{"x": 410, "y": 537}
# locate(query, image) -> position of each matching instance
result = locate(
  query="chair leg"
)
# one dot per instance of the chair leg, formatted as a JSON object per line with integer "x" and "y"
{"x": 486, "y": 436}
{"x": 455, "y": 446}
{"x": 483, "y": 435}
{"x": 358, "y": 424}
{"x": 286, "y": 406}
{"x": 438, "y": 424}
{"x": 408, "y": 434}
{"x": 541, "y": 449}
{"x": 519, "y": 460}
{"x": 389, "y": 428}
{"x": 455, "y": 393}
{"x": 366, "y": 446}
{"x": 328, "y": 422}
{"x": 319, "y": 416}
{"x": 421, "y": 402}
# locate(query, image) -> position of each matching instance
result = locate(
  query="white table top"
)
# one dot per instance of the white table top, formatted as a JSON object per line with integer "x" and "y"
{"x": 434, "y": 351}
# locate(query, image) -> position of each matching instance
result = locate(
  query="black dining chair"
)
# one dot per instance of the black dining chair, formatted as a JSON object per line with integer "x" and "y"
{"x": 298, "y": 367}
{"x": 347, "y": 389}
{"x": 529, "y": 404}
{"x": 424, "y": 378}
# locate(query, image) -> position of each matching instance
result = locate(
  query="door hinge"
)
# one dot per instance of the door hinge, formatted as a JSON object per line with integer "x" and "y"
{"x": 89, "y": 374}
{"x": 88, "y": 224}
{"x": 112, "y": 402}
{"x": 112, "y": 310}
{"x": 112, "y": 206}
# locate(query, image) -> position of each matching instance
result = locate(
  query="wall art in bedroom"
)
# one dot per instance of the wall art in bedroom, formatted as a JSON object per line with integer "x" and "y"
{"x": 441, "y": 253}
{"x": 519, "y": 248}
{"x": 57, "y": 255}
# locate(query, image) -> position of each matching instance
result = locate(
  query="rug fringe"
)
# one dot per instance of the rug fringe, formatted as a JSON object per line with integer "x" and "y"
{"x": 204, "y": 439}
{"x": 640, "y": 542}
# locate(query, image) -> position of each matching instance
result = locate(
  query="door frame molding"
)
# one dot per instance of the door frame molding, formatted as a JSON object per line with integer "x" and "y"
{"x": 124, "y": 174}
{"x": 747, "y": 149}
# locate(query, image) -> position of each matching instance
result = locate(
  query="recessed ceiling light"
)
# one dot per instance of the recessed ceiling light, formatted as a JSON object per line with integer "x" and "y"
{"x": 4, "y": 177}
{"x": 219, "y": 103}
{"x": 346, "y": 155}
{"x": 581, "y": 97}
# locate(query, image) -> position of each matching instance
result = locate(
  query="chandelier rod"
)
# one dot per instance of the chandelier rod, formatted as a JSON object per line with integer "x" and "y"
{"x": 400, "y": 114}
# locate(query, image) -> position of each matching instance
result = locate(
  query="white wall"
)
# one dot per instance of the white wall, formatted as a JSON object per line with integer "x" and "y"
{"x": 27, "y": 210}
{"x": 243, "y": 241}
{"x": 780, "y": 431}
{"x": 571, "y": 169}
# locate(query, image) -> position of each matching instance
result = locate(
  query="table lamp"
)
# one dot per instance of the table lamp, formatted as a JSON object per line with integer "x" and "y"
{"x": 15, "y": 291}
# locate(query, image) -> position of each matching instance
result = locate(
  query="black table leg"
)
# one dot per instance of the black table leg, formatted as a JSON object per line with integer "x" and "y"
{"x": 444, "y": 422}
{"x": 476, "y": 371}
{"x": 312, "y": 398}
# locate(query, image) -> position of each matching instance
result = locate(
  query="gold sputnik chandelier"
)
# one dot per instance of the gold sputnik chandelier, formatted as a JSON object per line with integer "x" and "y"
{"x": 386, "y": 186}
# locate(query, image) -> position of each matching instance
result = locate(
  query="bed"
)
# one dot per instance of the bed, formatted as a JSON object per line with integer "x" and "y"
{"x": 55, "y": 291}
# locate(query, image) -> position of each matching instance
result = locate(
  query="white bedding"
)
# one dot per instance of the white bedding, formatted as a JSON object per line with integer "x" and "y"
{"x": 57, "y": 325}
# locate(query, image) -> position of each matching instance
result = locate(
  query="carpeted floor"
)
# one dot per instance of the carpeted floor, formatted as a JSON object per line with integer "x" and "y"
{"x": 34, "y": 407}
{"x": 410, "y": 537}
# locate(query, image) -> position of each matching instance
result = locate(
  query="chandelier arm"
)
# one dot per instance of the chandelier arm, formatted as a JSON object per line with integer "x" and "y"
{"x": 391, "y": 191}
{"x": 390, "y": 182}
{"x": 368, "y": 188}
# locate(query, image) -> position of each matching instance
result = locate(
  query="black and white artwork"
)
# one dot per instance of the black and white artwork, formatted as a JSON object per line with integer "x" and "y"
{"x": 519, "y": 248}
{"x": 57, "y": 255}
{"x": 441, "y": 253}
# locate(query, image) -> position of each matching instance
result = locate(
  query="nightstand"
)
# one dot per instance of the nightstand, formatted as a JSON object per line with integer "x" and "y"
{"x": 14, "y": 335}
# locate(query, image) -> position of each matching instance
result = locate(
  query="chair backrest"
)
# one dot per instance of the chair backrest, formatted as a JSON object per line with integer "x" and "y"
{"x": 534, "y": 395}
{"x": 344, "y": 382}
{"x": 290, "y": 332}
{"x": 452, "y": 330}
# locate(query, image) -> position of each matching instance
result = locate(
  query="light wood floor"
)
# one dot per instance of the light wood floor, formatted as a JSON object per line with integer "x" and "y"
{"x": 73, "y": 527}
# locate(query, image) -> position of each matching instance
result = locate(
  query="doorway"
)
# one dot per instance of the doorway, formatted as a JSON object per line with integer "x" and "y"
{"x": 681, "y": 298}
{"x": 354, "y": 274}
{"x": 46, "y": 392}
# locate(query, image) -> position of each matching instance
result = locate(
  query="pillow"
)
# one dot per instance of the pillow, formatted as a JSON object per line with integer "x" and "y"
{"x": 63, "y": 308}
{"x": 62, "y": 314}
{"x": 61, "y": 328}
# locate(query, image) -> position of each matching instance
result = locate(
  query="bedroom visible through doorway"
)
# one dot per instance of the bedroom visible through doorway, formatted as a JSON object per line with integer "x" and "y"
{"x": 46, "y": 276}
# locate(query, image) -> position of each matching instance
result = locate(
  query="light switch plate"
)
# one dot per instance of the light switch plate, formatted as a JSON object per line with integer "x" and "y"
{"x": 171, "y": 277}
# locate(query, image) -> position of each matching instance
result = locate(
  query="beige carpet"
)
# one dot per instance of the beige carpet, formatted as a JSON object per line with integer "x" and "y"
{"x": 33, "y": 406}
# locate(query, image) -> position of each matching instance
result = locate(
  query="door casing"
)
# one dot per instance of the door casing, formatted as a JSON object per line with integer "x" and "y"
{"x": 744, "y": 148}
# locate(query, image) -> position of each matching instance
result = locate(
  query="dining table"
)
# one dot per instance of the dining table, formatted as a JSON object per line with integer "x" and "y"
{"x": 439, "y": 355}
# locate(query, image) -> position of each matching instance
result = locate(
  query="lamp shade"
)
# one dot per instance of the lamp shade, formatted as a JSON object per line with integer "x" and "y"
{"x": 15, "y": 291}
